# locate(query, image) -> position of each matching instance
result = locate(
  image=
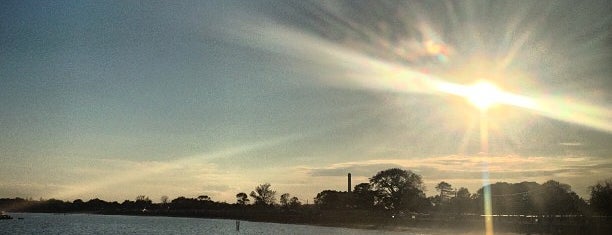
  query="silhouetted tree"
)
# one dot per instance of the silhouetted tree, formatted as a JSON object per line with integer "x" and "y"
{"x": 446, "y": 191}
{"x": 142, "y": 201}
{"x": 96, "y": 204}
{"x": 263, "y": 195}
{"x": 559, "y": 199}
{"x": 510, "y": 198}
{"x": 204, "y": 198}
{"x": 364, "y": 196}
{"x": 284, "y": 199}
{"x": 462, "y": 202}
{"x": 164, "y": 199}
{"x": 601, "y": 197}
{"x": 78, "y": 204}
{"x": 129, "y": 205}
{"x": 550, "y": 198}
{"x": 331, "y": 199}
{"x": 398, "y": 189}
{"x": 463, "y": 193}
{"x": 294, "y": 203}
{"x": 242, "y": 198}
{"x": 184, "y": 203}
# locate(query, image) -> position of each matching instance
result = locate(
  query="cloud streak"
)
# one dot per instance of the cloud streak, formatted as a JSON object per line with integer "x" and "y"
{"x": 190, "y": 169}
{"x": 469, "y": 169}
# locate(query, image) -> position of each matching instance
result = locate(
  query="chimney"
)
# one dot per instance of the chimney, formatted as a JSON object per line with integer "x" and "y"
{"x": 349, "y": 182}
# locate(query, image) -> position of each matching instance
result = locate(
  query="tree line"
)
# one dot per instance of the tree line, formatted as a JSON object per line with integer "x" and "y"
{"x": 402, "y": 190}
{"x": 395, "y": 191}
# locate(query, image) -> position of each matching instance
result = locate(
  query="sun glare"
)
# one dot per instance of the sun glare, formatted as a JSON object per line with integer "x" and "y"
{"x": 483, "y": 95}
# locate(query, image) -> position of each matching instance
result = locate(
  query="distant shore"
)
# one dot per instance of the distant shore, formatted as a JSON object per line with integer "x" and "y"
{"x": 525, "y": 207}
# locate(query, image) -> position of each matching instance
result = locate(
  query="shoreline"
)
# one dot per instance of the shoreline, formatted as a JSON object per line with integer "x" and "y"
{"x": 373, "y": 227}
{"x": 437, "y": 225}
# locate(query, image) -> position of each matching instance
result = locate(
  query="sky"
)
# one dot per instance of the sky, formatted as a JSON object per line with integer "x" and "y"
{"x": 115, "y": 99}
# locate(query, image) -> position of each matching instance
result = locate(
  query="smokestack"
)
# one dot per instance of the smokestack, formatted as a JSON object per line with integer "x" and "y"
{"x": 349, "y": 182}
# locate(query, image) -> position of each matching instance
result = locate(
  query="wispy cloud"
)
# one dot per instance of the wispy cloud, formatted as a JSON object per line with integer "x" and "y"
{"x": 467, "y": 170}
{"x": 16, "y": 189}
{"x": 570, "y": 144}
{"x": 450, "y": 163}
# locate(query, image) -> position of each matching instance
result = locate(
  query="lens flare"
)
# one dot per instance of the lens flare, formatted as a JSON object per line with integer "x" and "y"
{"x": 484, "y": 95}
{"x": 420, "y": 59}
{"x": 399, "y": 49}
{"x": 488, "y": 208}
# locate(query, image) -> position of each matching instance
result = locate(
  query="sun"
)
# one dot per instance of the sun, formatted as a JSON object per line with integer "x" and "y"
{"x": 483, "y": 95}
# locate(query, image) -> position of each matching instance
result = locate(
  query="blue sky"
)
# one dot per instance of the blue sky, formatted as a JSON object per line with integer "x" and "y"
{"x": 115, "y": 99}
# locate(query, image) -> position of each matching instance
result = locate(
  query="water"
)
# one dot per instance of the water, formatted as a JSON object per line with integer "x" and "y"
{"x": 35, "y": 223}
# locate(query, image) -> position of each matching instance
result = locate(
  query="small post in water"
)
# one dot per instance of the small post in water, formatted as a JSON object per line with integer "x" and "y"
{"x": 237, "y": 225}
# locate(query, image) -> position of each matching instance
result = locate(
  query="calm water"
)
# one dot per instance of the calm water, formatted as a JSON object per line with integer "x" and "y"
{"x": 34, "y": 223}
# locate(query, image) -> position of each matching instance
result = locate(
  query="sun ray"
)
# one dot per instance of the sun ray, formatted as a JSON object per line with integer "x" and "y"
{"x": 140, "y": 173}
{"x": 349, "y": 69}
{"x": 467, "y": 136}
